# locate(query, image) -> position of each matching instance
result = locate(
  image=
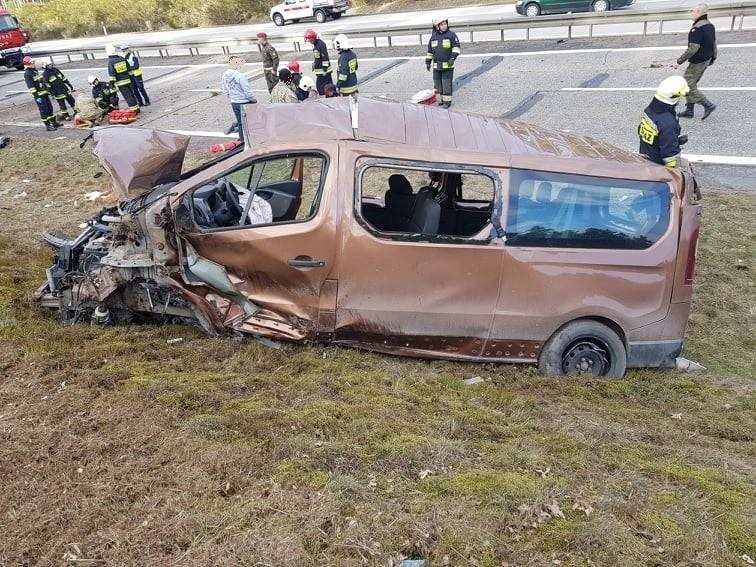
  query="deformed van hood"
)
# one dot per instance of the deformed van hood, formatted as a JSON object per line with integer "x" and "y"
{"x": 138, "y": 159}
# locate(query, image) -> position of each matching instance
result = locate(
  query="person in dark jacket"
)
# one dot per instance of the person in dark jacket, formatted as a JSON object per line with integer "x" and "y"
{"x": 659, "y": 128}
{"x": 701, "y": 52}
{"x": 37, "y": 86}
{"x": 321, "y": 64}
{"x": 443, "y": 50}
{"x": 346, "y": 82}
{"x": 104, "y": 95}
{"x": 60, "y": 89}
{"x": 118, "y": 69}
{"x": 137, "y": 79}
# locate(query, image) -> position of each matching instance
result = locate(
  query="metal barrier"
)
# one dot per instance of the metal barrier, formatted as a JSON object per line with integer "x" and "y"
{"x": 735, "y": 11}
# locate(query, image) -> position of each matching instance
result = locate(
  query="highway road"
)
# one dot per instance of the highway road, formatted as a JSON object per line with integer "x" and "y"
{"x": 599, "y": 88}
{"x": 351, "y": 23}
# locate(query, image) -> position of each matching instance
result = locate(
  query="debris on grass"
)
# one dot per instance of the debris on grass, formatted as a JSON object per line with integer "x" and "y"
{"x": 747, "y": 559}
{"x": 540, "y": 512}
{"x": 543, "y": 472}
{"x": 422, "y": 475}
{"x": 473, "y": 380}
{"x": 676, "y": 416}
{"x": 20, "y": 195}
{"x": 583, "y": 507}
{"x": 175, "y": 341}
{"x": 93, "y": 195}
{"x": 688, "y": 365}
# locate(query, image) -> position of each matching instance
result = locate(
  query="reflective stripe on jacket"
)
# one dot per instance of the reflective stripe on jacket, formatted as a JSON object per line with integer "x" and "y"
{"x": 443, "y": 49}
{"x": 347, "y": 78}
{"x": 321, "y": 64}
{"x": 35, "y": 82}
{"x": 118, "y": 69}
{"x": 135, "y": 69}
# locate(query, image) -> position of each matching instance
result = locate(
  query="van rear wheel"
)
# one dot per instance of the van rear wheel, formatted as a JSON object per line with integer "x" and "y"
{"x": 320, "y": 16}
{"x": 584, "y": 347}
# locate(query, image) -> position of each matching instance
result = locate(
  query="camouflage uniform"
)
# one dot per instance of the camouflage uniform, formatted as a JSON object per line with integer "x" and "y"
{"x": 270, "y": 64}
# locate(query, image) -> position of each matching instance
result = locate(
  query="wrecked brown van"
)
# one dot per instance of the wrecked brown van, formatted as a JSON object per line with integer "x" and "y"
{"x": 398, "y": 228}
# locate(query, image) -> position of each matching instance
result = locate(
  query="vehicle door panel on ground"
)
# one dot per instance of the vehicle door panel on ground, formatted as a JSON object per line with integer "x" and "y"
{"x": 405, "y": 285}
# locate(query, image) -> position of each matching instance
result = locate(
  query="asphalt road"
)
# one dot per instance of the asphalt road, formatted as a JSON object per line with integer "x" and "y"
{"x": 598, "y": 90}
{"x": 350, "y": 23}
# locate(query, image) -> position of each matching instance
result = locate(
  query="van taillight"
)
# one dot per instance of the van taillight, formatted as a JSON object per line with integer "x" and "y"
{"x": 690, "y": 267}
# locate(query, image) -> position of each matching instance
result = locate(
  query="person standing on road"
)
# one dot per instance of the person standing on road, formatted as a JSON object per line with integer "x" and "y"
{"x": 118, "y": 69}
{"x": 235, "y": 85}
{"x": 659, "y": 128}
{"x": 284, "y": 89}
{"x": 61, "y": 89}
{"x": 39, "y": 91}
{"x": 701, "y": 52}
{"x": 347, "y": 66}
{"x": 137, "y": 81}
{"x": 443, "y": 50}
{"x": 269, "y": 59}
{"x": 321, "y": 64}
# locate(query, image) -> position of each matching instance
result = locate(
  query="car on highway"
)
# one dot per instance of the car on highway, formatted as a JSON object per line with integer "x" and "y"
{"x": 533, "y": 8}
{"x": 360, "y": 224}
{"x": 321, "y": 10}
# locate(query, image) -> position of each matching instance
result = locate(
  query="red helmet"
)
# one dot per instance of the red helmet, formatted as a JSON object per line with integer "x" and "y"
{"x": 310, "y": 36}
{"x": 262, "y": 35}
{"x": 294, "y": 66}
{"x": 27, "y": 60}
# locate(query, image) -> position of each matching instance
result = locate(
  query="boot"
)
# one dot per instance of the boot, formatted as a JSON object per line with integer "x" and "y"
{"x": 49, "y": 127}
{"x": 57, "y": 124}
{"x": 709, "y": 107}
{"x": 688, "y": 112}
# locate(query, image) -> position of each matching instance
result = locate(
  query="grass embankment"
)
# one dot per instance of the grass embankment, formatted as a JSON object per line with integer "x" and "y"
{"x": 119, "y": 448}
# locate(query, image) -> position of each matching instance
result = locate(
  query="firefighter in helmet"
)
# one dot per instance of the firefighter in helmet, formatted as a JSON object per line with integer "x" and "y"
{"x": 40, "y": 92}
{"x": 104, "y": 95}
{"x": 347, "y": 66}
{"x": 443, "y": 50}
{"x": 321, "y": 64}
{"x": 118, "y": 69}
{"x": 137, "y": 80}
{"x": 60, "y": 88}
{"x": 659, "y": 128}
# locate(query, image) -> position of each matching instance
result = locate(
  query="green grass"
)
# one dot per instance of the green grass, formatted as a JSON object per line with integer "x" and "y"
{"x": 214, "y": 451}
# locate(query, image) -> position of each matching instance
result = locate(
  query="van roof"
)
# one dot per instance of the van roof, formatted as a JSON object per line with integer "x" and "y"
{"x": 422, "y": 126}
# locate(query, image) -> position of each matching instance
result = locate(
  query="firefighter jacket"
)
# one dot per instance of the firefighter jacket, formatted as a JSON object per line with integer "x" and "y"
{"x": 35, "y": 82}
{"x": 443, "y": 49}
{"x": 659, "y": 133}
{"x": 347, "y": 72}
{"x": 102, "y": 93}
{"x": 59, "y": 85}
{"x": 269, "y": 58}
{"x": 702, "y": 42}
{"x": 118, "y": 68}
{"x": 321, "y": 65}
{"x": 135, "y": 69}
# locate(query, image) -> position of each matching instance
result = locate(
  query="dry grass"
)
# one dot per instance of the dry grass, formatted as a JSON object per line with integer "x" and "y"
{"x": 118, "y": 448}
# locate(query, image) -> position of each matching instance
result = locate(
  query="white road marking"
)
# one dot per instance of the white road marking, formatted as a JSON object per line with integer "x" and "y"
{"x": 625, "y": 89}
{"x": 722, "y": 160}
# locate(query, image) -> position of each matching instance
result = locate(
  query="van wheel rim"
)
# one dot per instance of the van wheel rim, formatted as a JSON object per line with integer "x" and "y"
{"x": 532, "y": 11}
{"x": 586, "y": 356}
{"x": 600, "y": 6}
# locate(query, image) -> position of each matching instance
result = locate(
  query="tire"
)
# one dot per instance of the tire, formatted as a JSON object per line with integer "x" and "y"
{"x": 320, "y": 16}
{"x": 336, "y": 15}
{"x": 278, "y": 19}
{"x": 601, "y": 6}
{"x": 532, "y": 10}
{"x": 586, "y": 347}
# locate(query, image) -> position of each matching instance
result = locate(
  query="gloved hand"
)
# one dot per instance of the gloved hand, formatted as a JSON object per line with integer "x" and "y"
{"x": 428, "y": 64}
{"x": 39, "y": 100}
{"x": 682, "y": 140}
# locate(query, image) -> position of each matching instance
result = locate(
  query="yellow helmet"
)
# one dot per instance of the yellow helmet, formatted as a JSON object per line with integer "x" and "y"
{"x": 671, "y": 89}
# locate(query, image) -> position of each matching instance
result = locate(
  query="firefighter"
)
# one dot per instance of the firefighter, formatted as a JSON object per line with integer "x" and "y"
{"x": 321, "y": 64}
{"x": 118, "y": 68}
{"x": 60, "y": 88}
{"x": 659, "y": 128}
{"x": 347, "y": 66}
{"x": 701, "y": 52}
{"x": 443, "y": 50}
{"x": 137, "y": 80}
{"x": 269, "y": 59}
{"x": 38, "y": 88}
{"x": 284, "y": 90}
{"x": 104, "y": 95}
{"x": 296, "y": 73}
{"x": 306, "y": 89}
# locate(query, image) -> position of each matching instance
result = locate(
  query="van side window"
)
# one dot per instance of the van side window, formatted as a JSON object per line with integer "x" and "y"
{"x": 575, "y": 211}
{"x": 282, "y": 189}
{"x": 394, "y": 200}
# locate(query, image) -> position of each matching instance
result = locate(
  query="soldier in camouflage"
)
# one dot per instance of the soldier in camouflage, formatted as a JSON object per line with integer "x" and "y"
{"x": 269, "y": 59}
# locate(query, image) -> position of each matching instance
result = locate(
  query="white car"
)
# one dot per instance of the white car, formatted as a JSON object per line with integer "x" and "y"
{"x": 295, "y": 10}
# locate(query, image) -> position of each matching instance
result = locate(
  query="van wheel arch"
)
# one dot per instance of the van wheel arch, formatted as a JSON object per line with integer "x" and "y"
{"x": 593, "y": 345}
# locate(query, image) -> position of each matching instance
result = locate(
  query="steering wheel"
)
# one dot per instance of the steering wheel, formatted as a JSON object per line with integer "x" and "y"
{"x": 232, "y": 199}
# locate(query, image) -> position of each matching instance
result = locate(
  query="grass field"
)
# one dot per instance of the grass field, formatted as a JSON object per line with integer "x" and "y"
{"x": 118, "y": 449}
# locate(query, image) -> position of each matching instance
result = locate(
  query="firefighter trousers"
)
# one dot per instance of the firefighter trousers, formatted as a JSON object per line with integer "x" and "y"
{"x": 137, "y": 83}
{"x": 692, "y": 75}
{"x": 442, "y": 83}
{"x": 45, "y": 109}
{"x": 127, "y": 92}
{"x": 321, "y": 81}
{"x": 62, "y": 100}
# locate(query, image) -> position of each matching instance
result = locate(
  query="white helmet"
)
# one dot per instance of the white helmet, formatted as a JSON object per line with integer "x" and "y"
{"x": 438, "y": 19}
{"x": 306, "y": 83}
{"x": 671, "y": 89}
{"x": 91, "y": 79}
{"x": 341, "y": 42}
{"x": 110, "y": 49}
